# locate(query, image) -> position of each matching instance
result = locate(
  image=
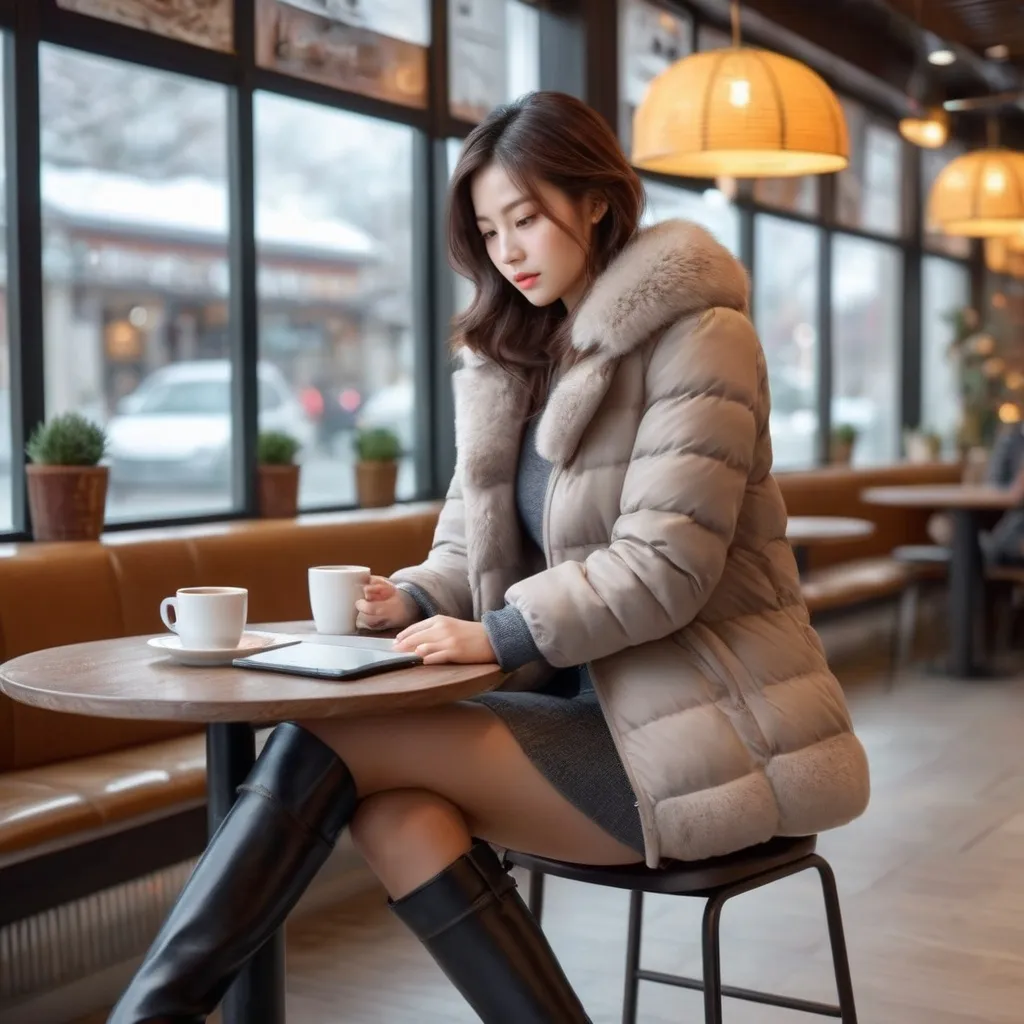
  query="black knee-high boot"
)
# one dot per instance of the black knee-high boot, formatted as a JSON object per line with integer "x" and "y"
{"x": 289, "y": 813}
{"x": 475, "y": 925}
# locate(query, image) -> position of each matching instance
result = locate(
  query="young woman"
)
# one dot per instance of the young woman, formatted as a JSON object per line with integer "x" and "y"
{"x": 613, "y": 537}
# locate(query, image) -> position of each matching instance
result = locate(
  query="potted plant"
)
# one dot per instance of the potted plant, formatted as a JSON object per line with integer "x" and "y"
{"x": 278, "y": 475}
{"x": 923, "y": 446}
{"x": 844, "y": 435}
{"x": 67, "y": 488}
{"x": 377, "y": 452}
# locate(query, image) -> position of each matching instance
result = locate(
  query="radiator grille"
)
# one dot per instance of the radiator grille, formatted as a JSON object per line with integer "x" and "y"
{"x": 86, "y": 936}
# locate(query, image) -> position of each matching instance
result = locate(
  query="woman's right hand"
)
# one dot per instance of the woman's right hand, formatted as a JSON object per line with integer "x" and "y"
{"x": 384, "y": 606}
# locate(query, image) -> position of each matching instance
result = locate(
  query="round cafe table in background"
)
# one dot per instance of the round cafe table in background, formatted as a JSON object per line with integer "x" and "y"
{"x": 966, "y": 504}
{"x": 125, "y": 678}
{"x": 805, "y": 532}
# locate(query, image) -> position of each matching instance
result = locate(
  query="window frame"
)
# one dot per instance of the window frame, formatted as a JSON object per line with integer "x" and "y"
{"x": 578, "y": 42}
{"x": 908, "y": 239}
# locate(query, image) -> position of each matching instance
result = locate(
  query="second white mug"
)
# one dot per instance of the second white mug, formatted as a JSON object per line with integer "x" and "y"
{"x": 333, "y": 592}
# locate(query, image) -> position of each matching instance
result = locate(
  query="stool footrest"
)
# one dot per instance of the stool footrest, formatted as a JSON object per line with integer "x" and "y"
{"x": 750, "y": 995}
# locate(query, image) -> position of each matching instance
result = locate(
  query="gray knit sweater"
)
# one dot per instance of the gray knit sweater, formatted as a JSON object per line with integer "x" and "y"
{"x": 513, "y": 645}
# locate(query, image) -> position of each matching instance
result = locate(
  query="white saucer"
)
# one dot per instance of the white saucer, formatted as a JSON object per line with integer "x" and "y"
{"x": 250, "y": 643}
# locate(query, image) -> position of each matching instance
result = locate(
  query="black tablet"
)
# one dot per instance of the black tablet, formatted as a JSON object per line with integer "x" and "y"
{"x": 327, "y": 661}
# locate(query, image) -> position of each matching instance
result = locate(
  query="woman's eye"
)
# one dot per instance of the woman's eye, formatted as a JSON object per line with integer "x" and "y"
{"x": 525, "y": 221}
{"x": 488, "y": 235}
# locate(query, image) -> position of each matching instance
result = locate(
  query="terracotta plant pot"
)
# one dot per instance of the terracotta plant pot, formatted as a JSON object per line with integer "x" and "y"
{"x": 66, "y": 502}
{"x": 840, "y": 453}
{"x": 375, "y": 483}
{"x": 278, "y": 491}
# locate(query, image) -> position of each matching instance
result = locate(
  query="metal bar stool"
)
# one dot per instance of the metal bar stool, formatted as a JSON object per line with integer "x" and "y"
{"x": 716, "y": 880}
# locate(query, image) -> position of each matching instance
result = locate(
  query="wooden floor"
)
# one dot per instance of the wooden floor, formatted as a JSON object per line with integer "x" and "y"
{"x": 931, "y": 880}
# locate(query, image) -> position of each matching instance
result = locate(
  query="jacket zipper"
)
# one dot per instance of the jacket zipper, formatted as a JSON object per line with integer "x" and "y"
{"x": 647, "y": 825}
{"x": 545, "y": 534}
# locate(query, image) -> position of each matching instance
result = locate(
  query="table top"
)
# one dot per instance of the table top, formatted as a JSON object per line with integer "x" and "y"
{"x": 941, "y": 496}
{"x": 125, "y": 678}
{"x": 815, "y": 530}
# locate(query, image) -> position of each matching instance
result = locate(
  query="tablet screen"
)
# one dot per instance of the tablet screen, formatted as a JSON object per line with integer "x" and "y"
{"x": 327, "y": 661}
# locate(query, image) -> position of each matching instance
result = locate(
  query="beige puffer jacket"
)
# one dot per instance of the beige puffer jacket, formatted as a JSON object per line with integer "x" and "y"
{"x": 668, "y": 566}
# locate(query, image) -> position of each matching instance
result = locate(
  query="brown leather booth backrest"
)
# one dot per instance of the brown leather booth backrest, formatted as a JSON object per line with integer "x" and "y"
{"x": 836, "y": 491}
{"x": 56, "y": 594}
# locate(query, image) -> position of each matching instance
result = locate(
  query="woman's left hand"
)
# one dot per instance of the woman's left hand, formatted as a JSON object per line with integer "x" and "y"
{"x": 441, "y": 639}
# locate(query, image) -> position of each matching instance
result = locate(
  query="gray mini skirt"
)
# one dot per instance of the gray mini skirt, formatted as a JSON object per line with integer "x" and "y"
{"x": 562, "y": 730}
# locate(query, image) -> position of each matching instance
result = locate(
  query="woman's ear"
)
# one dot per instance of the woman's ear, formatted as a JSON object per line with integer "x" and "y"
{"x": 597, "y": 207}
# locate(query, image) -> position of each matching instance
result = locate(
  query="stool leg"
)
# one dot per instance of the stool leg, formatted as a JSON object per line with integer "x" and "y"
{"x": 712, "y": 959}
{"x": 1004, "y": 621}
{"x": 535, "y": 894}
{"x": 636, "y": 920}
{"x": 906, "y": 627}
{"x": 840, "y": 959}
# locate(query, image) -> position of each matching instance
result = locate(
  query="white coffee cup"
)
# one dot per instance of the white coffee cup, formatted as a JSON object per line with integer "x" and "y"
{"x": 207, "y": 618}
{"x": 333, "y": 592}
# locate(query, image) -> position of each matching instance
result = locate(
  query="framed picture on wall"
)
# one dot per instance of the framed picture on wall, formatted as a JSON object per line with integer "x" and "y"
{"x": 374, "y": 47}
{"x": 202, "y": 22}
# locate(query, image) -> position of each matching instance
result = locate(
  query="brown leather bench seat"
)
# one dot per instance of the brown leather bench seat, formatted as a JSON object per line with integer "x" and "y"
{"x": 67, "y": 779}
{"x": 860, "y": 570}
{"x": 43, "y": 806}
{"x": 866, "y": 579}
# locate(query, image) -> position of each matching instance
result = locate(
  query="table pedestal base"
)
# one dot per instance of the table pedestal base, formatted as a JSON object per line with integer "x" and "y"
{"x": 966, "y": 595}
{"x": 257, "y": 995}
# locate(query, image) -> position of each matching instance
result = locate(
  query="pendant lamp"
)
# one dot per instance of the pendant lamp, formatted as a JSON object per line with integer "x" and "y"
{"x": 739, "y": 112}
{"x": 927, "y": 124}
{"x": 929, "y": 128}
{"x": 980, "y": 194}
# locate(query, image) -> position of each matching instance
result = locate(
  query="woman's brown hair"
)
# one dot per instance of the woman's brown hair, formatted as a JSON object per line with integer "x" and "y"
{"x": 542, "y": 137}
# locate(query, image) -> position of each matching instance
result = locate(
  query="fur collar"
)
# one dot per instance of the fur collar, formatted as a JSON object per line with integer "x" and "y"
{"x": 668, "y": 271}
{"x": 672, "y": 270}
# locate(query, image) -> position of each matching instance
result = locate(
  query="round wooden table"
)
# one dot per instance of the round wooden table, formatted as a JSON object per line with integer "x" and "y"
{"x": 125, "y": 678}
{"x": 965, "y": 504}
{"x": 804, "y": 532}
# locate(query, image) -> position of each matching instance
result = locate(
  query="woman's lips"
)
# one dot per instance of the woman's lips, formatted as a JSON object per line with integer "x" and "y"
{"x": 526, "y": 281}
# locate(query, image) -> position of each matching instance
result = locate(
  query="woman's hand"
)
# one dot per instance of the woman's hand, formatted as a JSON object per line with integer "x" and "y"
{"x": 442, "y": 640}
{"x": 384, "y": 606}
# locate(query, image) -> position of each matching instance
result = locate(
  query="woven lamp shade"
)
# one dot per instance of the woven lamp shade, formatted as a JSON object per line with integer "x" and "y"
{"x": 930, "y": 130}
{"x": 740, "y": 112}
{"x": 980, "y": 194}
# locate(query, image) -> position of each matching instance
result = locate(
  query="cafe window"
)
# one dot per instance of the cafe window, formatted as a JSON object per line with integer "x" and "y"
{"x": 136, "y": 276}
{"x": 797, "y": 195}
{"x": 786, "y": 286}
{"x": 651, "y": 39}
{"x": 711, "y": 208}
{"x": 867, "y": 296}
{"x": 493, "y": 54}
{"x": 945, "y": 292}
{"x": 869, "y": 191}
{"x": 334, "y": 235}
{"x": 377, "y": 49}
{"x": 711, "y": 38}
{"x": 207, "y": 24}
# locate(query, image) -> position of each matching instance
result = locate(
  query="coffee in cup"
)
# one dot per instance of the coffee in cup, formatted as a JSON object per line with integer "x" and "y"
{"x": 333, "y": 592}
{"x": 207, "y": 618}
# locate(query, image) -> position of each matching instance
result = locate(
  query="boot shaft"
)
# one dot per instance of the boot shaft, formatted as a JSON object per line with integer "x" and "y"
{"x": 477, "y": 928}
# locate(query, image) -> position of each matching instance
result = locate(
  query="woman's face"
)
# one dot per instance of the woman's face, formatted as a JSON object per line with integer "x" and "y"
{"x": 530, "y": 250}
